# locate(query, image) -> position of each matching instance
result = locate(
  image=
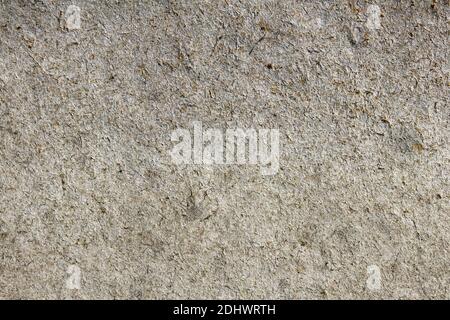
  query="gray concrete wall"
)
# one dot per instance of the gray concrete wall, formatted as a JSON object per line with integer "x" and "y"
{"x": 92, "y": 205}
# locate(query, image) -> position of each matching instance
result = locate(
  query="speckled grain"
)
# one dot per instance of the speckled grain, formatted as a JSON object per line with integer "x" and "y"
{"x": 86, "y": 179}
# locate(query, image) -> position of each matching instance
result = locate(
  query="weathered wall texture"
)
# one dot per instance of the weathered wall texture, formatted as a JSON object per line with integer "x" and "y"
{"x": 359, "y": 91}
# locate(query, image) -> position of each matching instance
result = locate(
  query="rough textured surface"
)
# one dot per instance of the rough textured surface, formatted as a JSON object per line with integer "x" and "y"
{"x": 362, "y": 104}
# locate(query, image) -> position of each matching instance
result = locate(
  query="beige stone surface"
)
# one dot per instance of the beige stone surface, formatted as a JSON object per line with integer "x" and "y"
{"x": 88, "y": 190}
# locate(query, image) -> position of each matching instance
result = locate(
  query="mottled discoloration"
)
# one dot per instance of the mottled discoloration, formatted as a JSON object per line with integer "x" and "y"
{"x": 86, "y": 177}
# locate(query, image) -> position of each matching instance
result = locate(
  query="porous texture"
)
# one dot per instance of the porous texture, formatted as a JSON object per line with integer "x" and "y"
{"x": 86, "y": 178}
